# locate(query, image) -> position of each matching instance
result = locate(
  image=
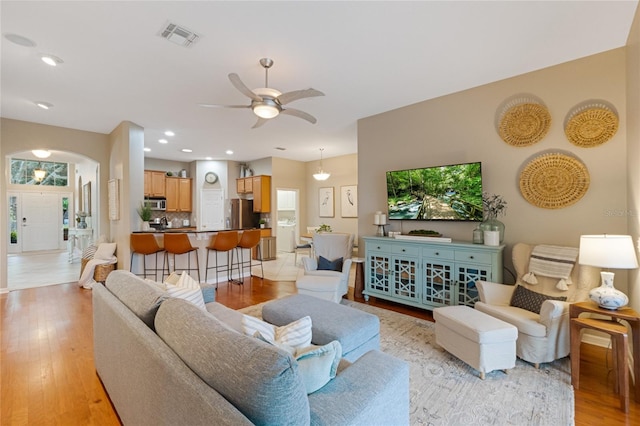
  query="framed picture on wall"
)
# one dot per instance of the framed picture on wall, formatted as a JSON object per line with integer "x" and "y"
{"x": 349, "y": 201}
{"x": 86, "y": 198}
{"x": 325, "y": 202}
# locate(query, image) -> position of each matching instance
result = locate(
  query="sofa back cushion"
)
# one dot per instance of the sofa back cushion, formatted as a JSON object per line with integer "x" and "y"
{"x": 261, "y": 381}
{"x": 141, "y": 298}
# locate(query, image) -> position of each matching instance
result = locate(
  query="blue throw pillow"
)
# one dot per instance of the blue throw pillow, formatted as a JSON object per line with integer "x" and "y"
{"x": 330, "y": 265}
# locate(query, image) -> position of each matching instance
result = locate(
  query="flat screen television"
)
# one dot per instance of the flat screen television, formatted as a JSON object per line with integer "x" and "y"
{"x": 452, "y": 192}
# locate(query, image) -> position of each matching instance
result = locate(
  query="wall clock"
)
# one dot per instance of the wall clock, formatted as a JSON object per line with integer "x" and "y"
{"x": 211, "y": 177}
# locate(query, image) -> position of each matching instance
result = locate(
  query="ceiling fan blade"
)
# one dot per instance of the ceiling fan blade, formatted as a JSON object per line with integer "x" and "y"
{"x": 300, "y": 114}
{"x": 260, "y": 122}
{"x": 238, "y": 84}
{"x": 223, "y": 106}
{"x": 285, "y": 98}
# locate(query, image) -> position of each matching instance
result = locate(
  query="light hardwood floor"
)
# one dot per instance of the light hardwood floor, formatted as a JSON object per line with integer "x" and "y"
{"x": 48, "y": 377}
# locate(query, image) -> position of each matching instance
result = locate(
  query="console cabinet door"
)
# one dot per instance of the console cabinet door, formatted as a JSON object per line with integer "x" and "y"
{"x": 378, "y": 270}
{"x": 406, "y": 283}
{"x": 466, "y": 277}
{"x": 439, "y": 283}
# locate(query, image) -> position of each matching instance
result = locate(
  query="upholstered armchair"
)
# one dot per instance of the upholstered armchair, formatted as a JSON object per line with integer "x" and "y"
{"x": 542, "y": 337}
{"x": 331, "y": 246}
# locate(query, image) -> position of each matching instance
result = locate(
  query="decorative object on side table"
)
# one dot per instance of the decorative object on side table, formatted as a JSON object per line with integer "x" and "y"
{"x": 494, "y": 206}
{"x": 144, "y": 211}
{"x": 608, "y": 251}
{"x": 81, "y": 220}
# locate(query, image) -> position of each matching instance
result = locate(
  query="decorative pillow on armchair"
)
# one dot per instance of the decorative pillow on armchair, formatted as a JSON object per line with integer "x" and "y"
{"x": 330, "y": 265}
{"x": 530, "y": 300}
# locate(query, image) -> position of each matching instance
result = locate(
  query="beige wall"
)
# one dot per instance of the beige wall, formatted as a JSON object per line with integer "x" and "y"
{"x": 633, "y": 143}
{"x": 17, "y": 136}
{"x": 344, "y": 171}
{"x": 461, "y": 128}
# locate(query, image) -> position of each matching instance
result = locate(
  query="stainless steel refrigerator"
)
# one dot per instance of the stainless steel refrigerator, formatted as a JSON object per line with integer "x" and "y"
{"x": 242, "y": 215}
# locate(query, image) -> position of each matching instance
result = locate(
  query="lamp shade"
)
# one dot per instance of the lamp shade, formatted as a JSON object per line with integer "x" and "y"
{"x": 608, "y": 251}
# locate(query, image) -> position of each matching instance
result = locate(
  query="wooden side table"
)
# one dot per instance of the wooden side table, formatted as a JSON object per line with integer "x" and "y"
{"x": 359, "y": 282}
{"x": 627, "y": 314}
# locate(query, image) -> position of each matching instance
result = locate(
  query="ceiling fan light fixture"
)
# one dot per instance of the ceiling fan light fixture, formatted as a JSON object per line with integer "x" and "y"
{"x": 266, "y": 111}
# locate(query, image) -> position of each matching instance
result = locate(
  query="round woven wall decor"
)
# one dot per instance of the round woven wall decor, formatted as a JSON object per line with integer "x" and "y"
{"x": 554, "y": 181}
{"x": 591, "y": 125}
{"x": 524, "y": 124}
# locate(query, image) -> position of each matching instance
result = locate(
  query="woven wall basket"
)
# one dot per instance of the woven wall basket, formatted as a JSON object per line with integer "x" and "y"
{"x": 591, "y": 125}
{"x": 523, "y": 122}
{"x": 554, "y": 181}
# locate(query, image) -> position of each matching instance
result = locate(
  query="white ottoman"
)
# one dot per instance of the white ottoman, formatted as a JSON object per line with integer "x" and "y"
{"x": 326, "y": 288}
{"x": 482, "y": 341}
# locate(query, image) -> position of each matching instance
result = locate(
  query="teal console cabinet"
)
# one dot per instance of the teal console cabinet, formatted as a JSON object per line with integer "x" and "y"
{"x": 428, "y": 274}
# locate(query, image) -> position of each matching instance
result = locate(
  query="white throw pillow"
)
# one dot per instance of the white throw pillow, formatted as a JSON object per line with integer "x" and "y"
{"x": 318, "y": 364}
{"x": 296, "y": 335}
{"x": 105, "y": 251}
{"x": 186, "y": 288}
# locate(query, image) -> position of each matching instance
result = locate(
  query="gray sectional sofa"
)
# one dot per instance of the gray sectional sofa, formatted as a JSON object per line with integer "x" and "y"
{"x": 164, "y": 361}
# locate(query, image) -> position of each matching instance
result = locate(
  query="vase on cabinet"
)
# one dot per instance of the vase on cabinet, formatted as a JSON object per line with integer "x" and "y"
{"x": 493, "y": 224}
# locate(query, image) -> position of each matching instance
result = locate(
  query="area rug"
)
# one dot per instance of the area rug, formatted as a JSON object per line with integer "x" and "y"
{"x": 446, "y": 391}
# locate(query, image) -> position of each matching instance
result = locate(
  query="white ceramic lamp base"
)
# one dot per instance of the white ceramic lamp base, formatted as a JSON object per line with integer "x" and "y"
{"x": 606, "y": 296}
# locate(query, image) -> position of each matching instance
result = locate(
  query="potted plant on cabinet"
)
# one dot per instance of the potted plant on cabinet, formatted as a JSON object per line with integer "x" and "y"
{"x": 144, "y": 211}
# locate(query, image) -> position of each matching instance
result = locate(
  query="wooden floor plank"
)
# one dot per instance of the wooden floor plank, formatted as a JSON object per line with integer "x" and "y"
{"x": 48, "y": 376}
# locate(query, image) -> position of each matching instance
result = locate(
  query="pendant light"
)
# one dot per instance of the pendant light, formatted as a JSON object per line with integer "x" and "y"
{"x": 39, "y": 174}
{"x": 321, "y": 174}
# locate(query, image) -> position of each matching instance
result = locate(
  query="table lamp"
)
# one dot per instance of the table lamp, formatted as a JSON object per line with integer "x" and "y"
{"x": 608, "y": 251}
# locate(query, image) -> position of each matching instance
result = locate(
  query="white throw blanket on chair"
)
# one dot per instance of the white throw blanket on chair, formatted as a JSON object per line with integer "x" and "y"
{"x": 552, "y": 261}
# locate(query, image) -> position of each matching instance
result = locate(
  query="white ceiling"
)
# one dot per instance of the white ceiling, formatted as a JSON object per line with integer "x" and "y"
{"x": 367, "y": 57}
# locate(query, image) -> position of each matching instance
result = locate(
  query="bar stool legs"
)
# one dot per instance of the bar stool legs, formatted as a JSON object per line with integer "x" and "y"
{"x": 250, "y": 239}
{"x": 177, "y": 244}
{"x": 145, "y": 245}
{"x": 223, "y": 242}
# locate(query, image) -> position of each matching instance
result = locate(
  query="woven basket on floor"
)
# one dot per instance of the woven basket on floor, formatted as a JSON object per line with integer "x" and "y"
{"x": 554, "y": 181}
{"x": 523, "y": 121}
{"x": 100, "y": 272}
{"x": 591, "y": 125}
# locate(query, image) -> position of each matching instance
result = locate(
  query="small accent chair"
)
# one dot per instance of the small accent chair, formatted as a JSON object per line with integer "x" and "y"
{"x": 331, "y": 246}
{"x": 225, "y": 242}
{"x": 179, "y": 244}
{"x": 250, "y": 240}
{"x": 146, "y": 244}
{"x": 542, "y": 337}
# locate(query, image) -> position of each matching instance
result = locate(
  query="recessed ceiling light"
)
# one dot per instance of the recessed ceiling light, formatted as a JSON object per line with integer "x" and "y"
{"x": 41, "y": 153}
{"x": 50, "y": 59}
{"x": 163, "y": 141}
{"x": 186, "y": 150}
{"x": 229, "y": 152}
{"x": 169, "y": 133}
{"x": 147, "y": 149}
{"x": 44, "y": 105}
{"x": 208, "y": 158}
{"x": 20, "y": 40}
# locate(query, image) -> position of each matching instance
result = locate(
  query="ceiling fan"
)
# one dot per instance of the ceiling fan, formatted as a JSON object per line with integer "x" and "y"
{"x": 268, "y": 103}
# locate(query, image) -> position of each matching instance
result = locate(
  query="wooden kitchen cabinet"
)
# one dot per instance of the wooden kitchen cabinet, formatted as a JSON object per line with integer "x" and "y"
{"x": 261, "y": 194}
{"x": 178, "y": 193}
{"x": 154, "y": 183}
{"x": 244, "y": 185}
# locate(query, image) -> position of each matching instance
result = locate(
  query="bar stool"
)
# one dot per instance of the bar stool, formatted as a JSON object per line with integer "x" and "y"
{"x": 178, "y": 244}
{"x": 145, "y": 244}
{"x": 250, "y": 239}
{"x": 619, "y": 344}
{"x": 224, "y": 241}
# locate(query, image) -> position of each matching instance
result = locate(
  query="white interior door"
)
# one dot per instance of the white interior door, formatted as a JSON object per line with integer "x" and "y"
{"x": 40, "y": 221}
{"x": 212, "y": 210}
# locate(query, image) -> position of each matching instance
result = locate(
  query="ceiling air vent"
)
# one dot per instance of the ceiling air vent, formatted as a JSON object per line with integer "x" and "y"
{"x": 179, "y": 35}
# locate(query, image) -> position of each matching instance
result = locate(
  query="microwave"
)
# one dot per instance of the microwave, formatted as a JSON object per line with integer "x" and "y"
{"x": 156, "y": 203}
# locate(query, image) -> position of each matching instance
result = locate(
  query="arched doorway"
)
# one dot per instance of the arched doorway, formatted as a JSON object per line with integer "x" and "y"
{"x": 40, "y": 218}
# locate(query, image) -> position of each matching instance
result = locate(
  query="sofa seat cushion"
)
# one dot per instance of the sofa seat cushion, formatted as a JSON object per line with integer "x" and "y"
{"x": 527, "y": 322}
{"x": 262, "y": 381}
{"x": 143, "y": 299}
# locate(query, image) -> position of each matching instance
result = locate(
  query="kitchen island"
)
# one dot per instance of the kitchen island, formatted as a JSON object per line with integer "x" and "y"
{"x": 200, "y": 240}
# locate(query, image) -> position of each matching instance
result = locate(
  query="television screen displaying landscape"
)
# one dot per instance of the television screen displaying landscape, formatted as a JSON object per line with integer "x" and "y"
{"x": 451, "y": 192}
